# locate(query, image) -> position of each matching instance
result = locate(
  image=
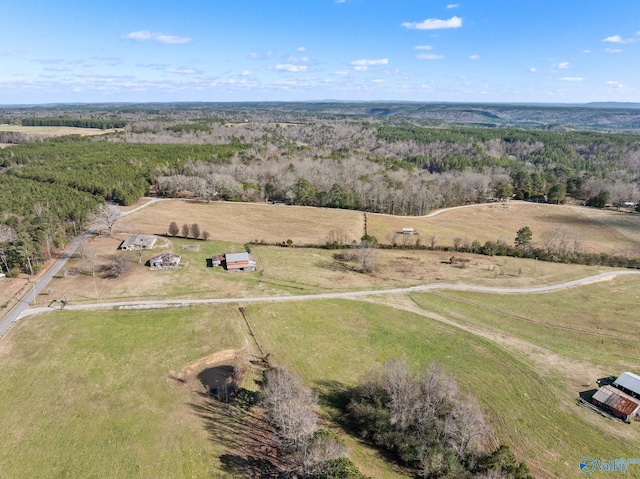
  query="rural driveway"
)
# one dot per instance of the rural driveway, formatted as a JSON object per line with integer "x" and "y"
{"x": 168, "y": 303}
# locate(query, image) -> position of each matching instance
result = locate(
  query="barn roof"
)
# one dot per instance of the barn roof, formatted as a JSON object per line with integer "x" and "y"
{"x": 616, "y": 400}
{"x": 629, "y": 381}
{"x": 236, "y": 257}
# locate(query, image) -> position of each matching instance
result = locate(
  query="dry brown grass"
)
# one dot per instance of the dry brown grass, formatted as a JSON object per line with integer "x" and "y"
{"x": 50, "y": 131}
{"x": 244, "y": 222}
{"x": 599, "y": 230}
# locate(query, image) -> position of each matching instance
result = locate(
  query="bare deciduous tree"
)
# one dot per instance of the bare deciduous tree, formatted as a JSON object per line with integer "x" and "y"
{"x": 365, "y": 253}
{"x": 195, "y": 230}
{"x": 174, "y": 229}
{"x": 105, "y": 216}
{"x": 185, "y": 230}
{"x": 206, "y": 235}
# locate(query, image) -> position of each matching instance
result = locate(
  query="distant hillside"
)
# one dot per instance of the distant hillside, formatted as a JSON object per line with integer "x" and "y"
{"x": 612, "y": 104}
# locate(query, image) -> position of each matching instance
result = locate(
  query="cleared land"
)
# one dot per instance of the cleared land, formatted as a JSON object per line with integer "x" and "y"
{"x": 100, "y": 382}
{"x": 599, "y": 231}
{"x": 50, "y": 131}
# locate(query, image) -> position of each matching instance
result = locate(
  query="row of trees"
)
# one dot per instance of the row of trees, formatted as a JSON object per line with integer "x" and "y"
{"x": 75, "y": 122}
{"x": 428, "y": 424}
{"x": 188, "y": 231}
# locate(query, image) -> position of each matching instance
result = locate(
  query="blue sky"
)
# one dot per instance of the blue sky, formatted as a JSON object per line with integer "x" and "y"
{"x": 561, "y": 51}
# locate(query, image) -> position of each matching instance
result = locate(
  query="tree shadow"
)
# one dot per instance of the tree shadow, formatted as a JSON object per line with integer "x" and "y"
{"x": 248, "y": 438}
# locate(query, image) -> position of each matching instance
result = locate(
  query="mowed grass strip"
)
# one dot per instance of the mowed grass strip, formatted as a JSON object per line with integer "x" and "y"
{"x": 89, "y": 395}
{"x": 596, "y": 322}
{"x": 334, "y": 343}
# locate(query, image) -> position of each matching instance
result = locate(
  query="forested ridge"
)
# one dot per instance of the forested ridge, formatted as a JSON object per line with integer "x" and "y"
{"x": 363, "y": 157}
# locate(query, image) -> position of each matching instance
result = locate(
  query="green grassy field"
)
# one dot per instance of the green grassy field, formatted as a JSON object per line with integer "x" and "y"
{"x": 98, "y": 384}
{"x": 597, "y": 322}
{"x": 89, "y": 395}
{"x": 334, "y": 343}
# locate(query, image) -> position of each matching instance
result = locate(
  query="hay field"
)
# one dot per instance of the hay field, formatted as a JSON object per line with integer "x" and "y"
{"x": 244, "y": 222}
{"x": 51, "y": 131}
{"x": 599, "y": 230}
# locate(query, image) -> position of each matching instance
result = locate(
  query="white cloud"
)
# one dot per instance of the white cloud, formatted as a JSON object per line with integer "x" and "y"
{"x": 342, "y": 72}
{"x": 145, "y": 35}
{"x": 300, "y": 49}
{"x": 261, "y": 55}
{"x": 288, "y": 67}
{"x": 423, "y": 47}
{"x": 429, "y": 56}
{"x": 377, "y": 81}
{"x": 563, "y": 65}
{"x": 363, "y": 65}
{"x": 533, "y": 69}
{"x": 183, "y": 71}
{"x": 614, "y": 84}
{"x": 382, "y": 61}
{"x": 586, "y": 51}
{"x": 434, "y": 24}
{"x": 298, "y": 60}
{"x": 246, "y": 73}
{"x": 613, "y": 50}
{"x": 474, "y": 57}
{"x": 613, "y": 39}
{"x": 453, "y": 5}
{"x": 572, "y": 79}
{"x": 341, "y": 1}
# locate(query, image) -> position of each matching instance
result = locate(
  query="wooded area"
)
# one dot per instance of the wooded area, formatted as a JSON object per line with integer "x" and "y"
{"x": 328, "y": 155}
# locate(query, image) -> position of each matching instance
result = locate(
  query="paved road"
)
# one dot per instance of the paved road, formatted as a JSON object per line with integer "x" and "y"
{"x": 19, "y": 309}
{"x": 168, "y": 303}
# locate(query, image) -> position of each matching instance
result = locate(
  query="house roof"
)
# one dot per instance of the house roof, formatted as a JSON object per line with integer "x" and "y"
{"x": 616, "y": 400}
{"x": 143, "y": 241}
{"x": 629, "y": 381}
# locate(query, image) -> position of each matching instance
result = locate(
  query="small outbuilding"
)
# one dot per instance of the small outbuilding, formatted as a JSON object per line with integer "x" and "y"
{"x": 138, "y": 242}
{"x": 165, "y": 261}
{"x": 217, "y": 259}
{"x": 616, "y": 402}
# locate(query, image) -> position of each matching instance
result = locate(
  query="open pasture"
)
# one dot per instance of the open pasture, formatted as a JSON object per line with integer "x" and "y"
{"x": 597, "y": 323}
{"x": 598, "y": 231}
{"x": 92, "y": 395}
{"x": 334, "y": 343}
{"x": 51, "y": 131}
{"x": 245, "y": 222}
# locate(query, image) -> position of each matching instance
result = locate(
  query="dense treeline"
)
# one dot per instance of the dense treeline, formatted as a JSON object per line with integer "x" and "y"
{"x": 37, "y": 218}
{"x": 75, "y": 122}
{"x": 117, "y": 172}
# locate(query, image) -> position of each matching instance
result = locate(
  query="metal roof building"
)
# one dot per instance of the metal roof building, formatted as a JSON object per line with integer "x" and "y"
{"x": 629, "y": 383}
{"x": 239, "y": 262}
{"x": 616, "y": 402}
